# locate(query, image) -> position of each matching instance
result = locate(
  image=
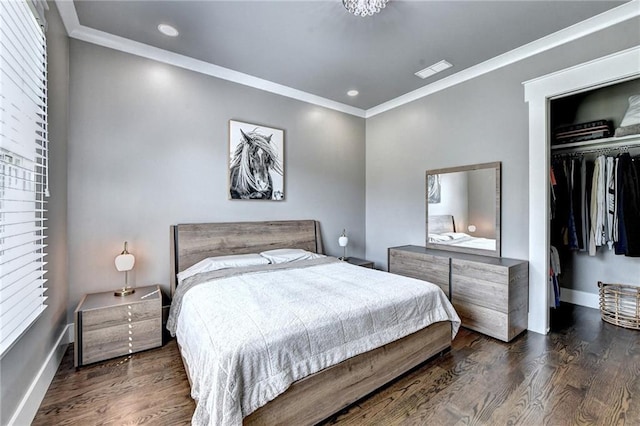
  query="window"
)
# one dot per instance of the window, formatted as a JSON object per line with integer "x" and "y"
{"x": 23, "y": 169}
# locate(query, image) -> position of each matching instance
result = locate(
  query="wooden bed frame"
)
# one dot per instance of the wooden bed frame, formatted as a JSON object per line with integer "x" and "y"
{"x": 318, "y": 396}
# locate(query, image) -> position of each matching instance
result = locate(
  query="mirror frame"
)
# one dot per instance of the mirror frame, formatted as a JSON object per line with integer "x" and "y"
{"x": 497, "y": 166}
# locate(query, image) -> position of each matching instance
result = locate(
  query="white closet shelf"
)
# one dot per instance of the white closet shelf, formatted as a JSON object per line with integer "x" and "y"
{"x": 628, "y": 141}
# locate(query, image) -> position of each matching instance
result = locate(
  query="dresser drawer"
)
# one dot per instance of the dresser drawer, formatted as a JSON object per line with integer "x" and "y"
{"x": 478, "y": 270}
{"x": 118, "y": 340}
{"x": 479, "y": 292}
{"x": 434, "y": 269}
{"x": 483, "y": 320}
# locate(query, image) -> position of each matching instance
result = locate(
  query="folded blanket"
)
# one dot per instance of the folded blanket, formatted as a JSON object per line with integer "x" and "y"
{"x": 633, "y": 129}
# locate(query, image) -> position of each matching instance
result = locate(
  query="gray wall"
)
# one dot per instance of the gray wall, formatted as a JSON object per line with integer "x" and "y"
{"x": 148, "y": 148}
{"x": 18, "y": 368}
{"x": 482, "y": 120}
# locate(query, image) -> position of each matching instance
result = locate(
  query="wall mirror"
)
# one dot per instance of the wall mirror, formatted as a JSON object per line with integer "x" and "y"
{"x": 463, "y": 209}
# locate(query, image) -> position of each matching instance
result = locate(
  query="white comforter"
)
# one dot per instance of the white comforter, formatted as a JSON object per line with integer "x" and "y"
{"x": 460, "y": 239}
{"x": 246, "y": 338}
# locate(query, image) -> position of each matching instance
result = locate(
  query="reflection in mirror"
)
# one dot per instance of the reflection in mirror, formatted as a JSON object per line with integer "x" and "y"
{"x": 463, "y": 209}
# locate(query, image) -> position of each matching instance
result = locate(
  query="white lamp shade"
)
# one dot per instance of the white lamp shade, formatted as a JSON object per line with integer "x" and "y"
{"x": 343, "y": 241}
{"x": 125, "y": 262}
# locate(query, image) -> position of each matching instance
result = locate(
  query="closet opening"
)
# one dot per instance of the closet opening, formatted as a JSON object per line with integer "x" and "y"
{"x": 594, "y": 191}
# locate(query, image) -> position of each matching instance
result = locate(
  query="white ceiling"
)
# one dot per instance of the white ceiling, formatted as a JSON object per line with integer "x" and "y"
{"x": 317, "y": 47}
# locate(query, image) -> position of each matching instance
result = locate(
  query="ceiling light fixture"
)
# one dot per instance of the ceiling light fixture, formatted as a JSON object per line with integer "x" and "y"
{"x": 352, "y": 93}
{"x": 168, "y": 30}
{"x": 433, "y": 69}
{"x": 364, "y": 7}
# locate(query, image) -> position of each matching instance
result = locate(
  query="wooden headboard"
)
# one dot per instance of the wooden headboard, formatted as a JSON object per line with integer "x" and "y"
{"x": 440, "y": 224}
{"x": 191, "y": 243}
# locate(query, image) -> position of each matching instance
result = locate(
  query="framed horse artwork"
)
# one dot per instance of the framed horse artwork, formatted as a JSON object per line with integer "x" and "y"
{"x": 256, "y": 162}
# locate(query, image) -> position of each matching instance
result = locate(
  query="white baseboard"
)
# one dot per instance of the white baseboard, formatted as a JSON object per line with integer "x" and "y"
{"x": 581, "y": 298}
{"x": 71, "y": 336}
{"x": 26, "y": 411}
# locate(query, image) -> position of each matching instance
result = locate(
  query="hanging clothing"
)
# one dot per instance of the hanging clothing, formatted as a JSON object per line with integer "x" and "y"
{"x": 584, "y": 204}
{"x": 631, "y": 188}
{"x": 621, "y": 243}
{"x": 610, "y": 201}
{"x": 572, "y": 234}
{"x": 616, "y": 195}
{"x": 554, "y": 271}
{"x": 559, "y": 224}
{"x": 596, "y": 232}
{"x": 596, "y": 203}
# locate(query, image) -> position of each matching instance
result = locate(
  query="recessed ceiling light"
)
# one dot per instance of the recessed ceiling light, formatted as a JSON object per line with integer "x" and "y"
{"x": 168, "y": 30}
{"x": 433, "y": 69}
{"x": 352, "y": 93}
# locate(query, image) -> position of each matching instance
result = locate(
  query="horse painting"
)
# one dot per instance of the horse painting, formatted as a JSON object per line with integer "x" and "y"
{"x": 254, "y": 160}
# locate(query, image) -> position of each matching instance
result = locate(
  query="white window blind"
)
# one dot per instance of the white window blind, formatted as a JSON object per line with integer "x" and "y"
{"x": 23, "y": 170}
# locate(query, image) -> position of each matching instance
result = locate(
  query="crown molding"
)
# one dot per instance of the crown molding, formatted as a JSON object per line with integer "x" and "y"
{"x": 596, "y": 23}
{"x": 80, "y": 32}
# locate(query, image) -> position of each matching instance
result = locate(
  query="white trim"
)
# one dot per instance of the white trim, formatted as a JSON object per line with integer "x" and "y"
{"x": 537, "y": 92}
{"x": 70, "y": 334}
{"x": 28, "y": 407}
{"x": 582, "y": 298}
{"x": 596, "y": 23}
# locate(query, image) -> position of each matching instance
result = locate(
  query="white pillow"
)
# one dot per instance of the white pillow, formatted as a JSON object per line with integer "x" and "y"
{"x": 223, "y": 262}
{"x": 289, "y": 255}
{"x": 632, "y": 116}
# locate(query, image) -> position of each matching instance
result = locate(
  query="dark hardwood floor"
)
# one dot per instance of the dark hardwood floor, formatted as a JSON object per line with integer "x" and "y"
{"x": 584, "y": 372}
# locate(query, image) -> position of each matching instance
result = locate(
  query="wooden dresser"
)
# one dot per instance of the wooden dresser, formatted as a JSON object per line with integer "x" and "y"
{"x": 490, "y": 294}
{"x": 108, "y": 326}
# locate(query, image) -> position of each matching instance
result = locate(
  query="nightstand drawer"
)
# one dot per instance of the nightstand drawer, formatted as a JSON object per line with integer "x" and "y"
{"x": 120, "y": 340}
{"x": 107, "y": 317}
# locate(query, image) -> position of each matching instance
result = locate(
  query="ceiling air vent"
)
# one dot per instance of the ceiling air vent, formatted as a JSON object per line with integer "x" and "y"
{"x": 433, "y": 69}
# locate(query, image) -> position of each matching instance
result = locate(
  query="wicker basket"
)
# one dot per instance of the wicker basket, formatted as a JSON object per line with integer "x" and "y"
{"x": 620, "y": 304}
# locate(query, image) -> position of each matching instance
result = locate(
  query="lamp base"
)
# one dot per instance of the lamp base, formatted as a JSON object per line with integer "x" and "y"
{"x": 124, "y": 292}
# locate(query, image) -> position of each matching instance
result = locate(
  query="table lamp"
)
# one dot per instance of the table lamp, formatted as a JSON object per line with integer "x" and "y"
{"x": 342, "y": 242}
{"x": 124, "y": 262}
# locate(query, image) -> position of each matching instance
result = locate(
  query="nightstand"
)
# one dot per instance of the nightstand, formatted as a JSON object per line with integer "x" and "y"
{"x": 360, "y": 262}
{"x": 108, "y": 326}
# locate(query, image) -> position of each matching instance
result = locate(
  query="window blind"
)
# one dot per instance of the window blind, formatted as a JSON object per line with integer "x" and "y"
{"x": 23, "y": 170}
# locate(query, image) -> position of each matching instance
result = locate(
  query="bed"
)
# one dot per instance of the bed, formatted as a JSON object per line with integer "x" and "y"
{"x": 310, "y": 391}
{"x": 442, "y": 230}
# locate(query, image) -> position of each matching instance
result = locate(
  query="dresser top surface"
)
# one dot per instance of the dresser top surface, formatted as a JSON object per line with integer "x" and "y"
{"x": 501, "y": 261}
{"x": 107, "y": 299}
